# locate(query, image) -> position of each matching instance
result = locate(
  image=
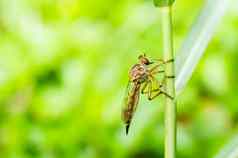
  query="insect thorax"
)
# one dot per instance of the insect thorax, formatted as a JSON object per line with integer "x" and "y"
{"x": 138, "y": 73}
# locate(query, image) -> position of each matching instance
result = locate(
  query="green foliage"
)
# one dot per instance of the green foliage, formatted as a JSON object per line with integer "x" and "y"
{"x": 162, "y": 3}
{"x": 63, "y": 72}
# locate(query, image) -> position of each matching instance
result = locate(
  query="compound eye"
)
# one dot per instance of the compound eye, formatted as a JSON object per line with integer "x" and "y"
{"x": 146, "y": 61}
{"x": 141, "y": 56}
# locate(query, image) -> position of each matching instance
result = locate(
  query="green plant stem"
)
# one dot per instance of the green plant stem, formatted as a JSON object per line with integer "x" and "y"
{"x": 170, "y": 104}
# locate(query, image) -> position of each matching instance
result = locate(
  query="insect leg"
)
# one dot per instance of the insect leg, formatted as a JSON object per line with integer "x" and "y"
{"x": 162, "y": 62}
{"x": 167, "y": 95}
{"x": 164, "y": 79}
{"x": 149, "y": 87}
{"x": 153, "y": 93}
{"x": 154, "y": 96}
{"x": 143, "y": 89}
{"x": 154, "y": 70}
{"x": 169, "y": 61}
{"x": 169, "y": 76}
{"x": 159, "y": 92}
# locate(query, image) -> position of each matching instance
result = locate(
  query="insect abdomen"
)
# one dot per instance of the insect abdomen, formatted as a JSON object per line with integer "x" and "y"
{"x": 132, "y": 102}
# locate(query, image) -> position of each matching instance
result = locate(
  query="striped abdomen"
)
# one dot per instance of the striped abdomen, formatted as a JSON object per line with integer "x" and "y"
{"x": 131, "y": 104}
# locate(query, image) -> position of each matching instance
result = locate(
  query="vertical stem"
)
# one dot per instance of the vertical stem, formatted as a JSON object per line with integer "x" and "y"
{"x": 170, "y": 105}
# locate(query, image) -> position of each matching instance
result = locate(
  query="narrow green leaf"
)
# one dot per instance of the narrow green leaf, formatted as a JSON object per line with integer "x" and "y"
{"x": 197, "y": 40}
{"x": 230, "y": 150}
{"x": 162, "y": 3}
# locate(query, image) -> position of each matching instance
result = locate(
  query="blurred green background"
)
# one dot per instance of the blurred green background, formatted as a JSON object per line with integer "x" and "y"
{"x": 64, "y": 69}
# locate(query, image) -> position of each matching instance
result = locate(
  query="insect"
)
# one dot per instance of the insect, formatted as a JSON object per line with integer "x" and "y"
{"x": 142, "y": 80}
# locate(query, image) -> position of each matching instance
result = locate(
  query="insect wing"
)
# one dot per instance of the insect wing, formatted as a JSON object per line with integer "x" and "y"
{"x": 130, "y": 102}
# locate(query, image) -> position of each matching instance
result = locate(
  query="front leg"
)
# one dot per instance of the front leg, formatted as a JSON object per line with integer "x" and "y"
{"x": 154, "y": 70}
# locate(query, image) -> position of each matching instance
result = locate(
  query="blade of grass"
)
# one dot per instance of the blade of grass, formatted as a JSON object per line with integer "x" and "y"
{"x": 197, "y": 41}
{"x": 230, "y": 150}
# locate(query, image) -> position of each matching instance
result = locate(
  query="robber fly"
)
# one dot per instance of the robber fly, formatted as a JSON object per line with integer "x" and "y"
{"x": 142, "y": 80}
